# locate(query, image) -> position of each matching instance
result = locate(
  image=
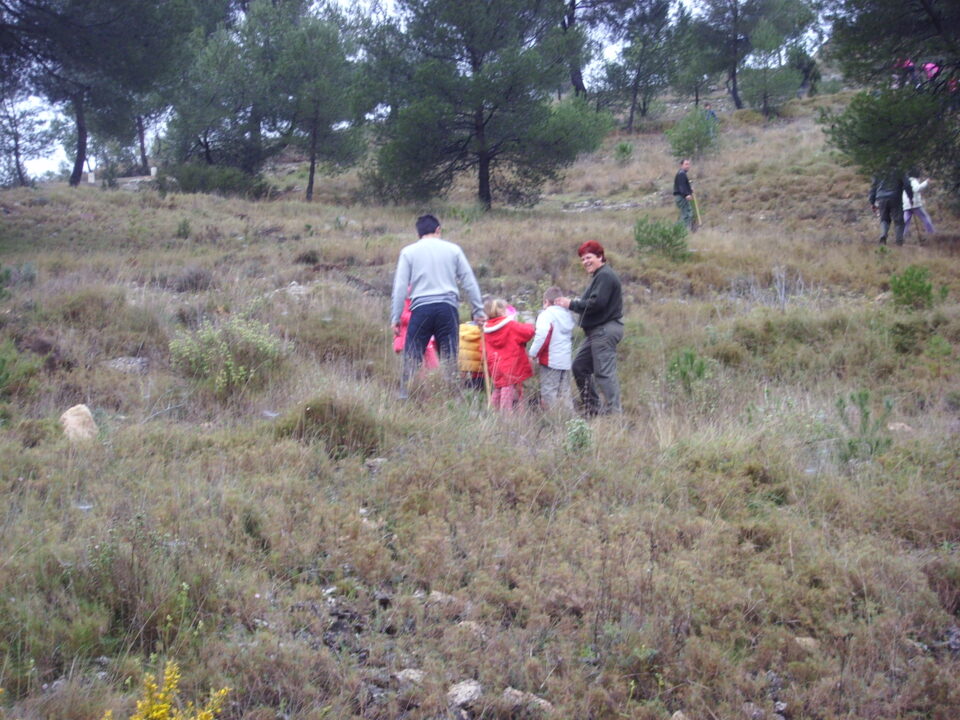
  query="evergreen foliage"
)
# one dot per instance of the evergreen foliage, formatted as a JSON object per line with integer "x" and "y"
{"x": 912, "y": 117}
{"x": 479, "y": 100}
{"x": 693, "y": 136}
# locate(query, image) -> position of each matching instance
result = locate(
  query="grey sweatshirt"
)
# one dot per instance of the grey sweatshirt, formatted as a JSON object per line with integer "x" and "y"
{"x": 432, "y": 269}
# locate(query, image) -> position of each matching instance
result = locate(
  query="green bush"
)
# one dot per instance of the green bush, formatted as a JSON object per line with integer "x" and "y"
{"x": 666, "y": 238}
{"x": 694, "y": 135}
{"x": 227, "y": 358}
{"x": 867, "y": 434}
{"x": 216, "y": 179}
{"x": 623, "y": 153}
{"x": 345, "y": 427}
{"x": 4, "y": 282}
{"x": 687, "y": 368}
{"x": 16, "y": 370}
{"x": 912, "y": 288}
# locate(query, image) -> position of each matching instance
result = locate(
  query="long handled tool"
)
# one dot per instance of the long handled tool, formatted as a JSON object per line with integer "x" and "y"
{"x": 696, "y": 207}
{"x": 486, "y": 368}
{"x": 920, "y": 238}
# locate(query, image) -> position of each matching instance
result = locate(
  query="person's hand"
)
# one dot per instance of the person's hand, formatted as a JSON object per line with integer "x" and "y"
{"x": 563, "y": 302}
{"x": 396, "y": 329}
{"x": 480, "y": 317}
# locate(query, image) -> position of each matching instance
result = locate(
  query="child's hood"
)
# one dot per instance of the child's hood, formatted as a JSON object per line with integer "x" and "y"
{"x": 494, "y": 324}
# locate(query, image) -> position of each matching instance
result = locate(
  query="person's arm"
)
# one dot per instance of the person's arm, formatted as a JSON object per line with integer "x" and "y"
{"x": 401, "y": 283}
{"x": 873, "y": 192}
{"x": 541, "y": 330}
{"x": 597, "y": 295}
{"x": 468, "y": 281}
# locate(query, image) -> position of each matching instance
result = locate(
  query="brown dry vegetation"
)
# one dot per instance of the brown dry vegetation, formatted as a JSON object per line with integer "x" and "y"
{"x": 729, "y": 545}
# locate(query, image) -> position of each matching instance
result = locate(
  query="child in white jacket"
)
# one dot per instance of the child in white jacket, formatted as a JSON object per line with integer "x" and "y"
{"x": 916, "y": 205}
{"x": 552, "y": 347}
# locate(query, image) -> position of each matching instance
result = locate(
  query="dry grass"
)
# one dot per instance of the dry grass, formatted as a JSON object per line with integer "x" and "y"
{"x": 715, "y": 548}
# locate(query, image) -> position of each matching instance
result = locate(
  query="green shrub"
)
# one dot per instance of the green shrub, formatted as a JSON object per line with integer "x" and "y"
{"x": 687, "y": 368}
{"x": 623, "y": 153}
{"x": 867, "y": 433}
{"x": 228, "y": 357}
{"x": 694, "y": 135}
{"x": 579, "y": 436}
{"x": 217, "y": 179}
{"x": 345, "y": 427}
{"x": 183, "y": 229}
{"x": 16, "y": 370}
{"x": 666, "y": 238}
{"x": 4, "y": 282}
{"x": 912, "y": 288}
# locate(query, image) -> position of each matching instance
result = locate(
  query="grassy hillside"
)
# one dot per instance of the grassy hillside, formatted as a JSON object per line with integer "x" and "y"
{"x": 772, "y": 528}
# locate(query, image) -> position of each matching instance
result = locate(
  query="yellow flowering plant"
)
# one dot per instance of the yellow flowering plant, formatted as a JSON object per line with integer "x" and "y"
{"x": 158, "y": 700}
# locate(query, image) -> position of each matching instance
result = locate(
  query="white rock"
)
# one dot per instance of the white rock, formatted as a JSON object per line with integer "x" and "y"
{"x": 78, "y": 424}
{"x": 411, "y": 676}
{"x": 807, "y": 643}
{"x": 474, "y": 629}
{"x": 899, "y": 427}
{"x": 519, "y": 699}
{"x": 678, "y": 715}
{"x": 130, "y": 365}
{"x": 464, "y": 694}
{"x": 438, "y": 598}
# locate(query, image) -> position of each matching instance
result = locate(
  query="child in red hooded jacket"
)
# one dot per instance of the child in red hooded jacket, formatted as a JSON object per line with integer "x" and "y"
{"x": 505, "y": 339}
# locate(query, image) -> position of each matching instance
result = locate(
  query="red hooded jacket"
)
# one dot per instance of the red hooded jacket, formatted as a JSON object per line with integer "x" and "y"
{"x": 506, "y": 341}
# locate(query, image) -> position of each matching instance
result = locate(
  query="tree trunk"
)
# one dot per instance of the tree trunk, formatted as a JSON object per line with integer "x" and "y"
{"x": 313, "y": 159}
{"x": 734, "y": 92}
{"x": 576, "y": 72}
{"x": 483, "y": 161}
{"x": 633, "y": 108}
{"x": 81, "y": 156}
{"x": 141, "y": 136}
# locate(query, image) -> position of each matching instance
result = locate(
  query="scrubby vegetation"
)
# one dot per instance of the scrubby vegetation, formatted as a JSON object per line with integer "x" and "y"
{"x": 771, "y": 527}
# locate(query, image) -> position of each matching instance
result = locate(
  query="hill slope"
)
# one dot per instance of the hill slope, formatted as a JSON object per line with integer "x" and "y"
{"x": 759, "y": 534}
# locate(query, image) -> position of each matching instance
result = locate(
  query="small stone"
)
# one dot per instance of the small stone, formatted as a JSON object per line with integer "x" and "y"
{"x": 518, "y": 700}
{"x": 129, "y": 365}
{"x": 899, "y": 427}
{"x": 373, "y": 465}
{"x": 678, "y": 715}
{"x": 474, "y": 629}
{"x": 807, "y": 643}
{"x": 464, "y": 694}
{"x": 78, "y": 424}
{"x": 410, "y": 676}
{"x": 438, "y": 598}
{"x": 753, "y": 711}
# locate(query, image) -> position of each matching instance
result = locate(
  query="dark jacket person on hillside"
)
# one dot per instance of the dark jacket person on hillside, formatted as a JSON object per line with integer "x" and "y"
{"x": 601, "y": 317}
{"x": 886, "y": 198}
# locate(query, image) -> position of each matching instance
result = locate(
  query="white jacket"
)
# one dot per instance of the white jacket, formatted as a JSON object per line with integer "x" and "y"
{"x": 557, "y": 323}
{"x": 917, "y": 186}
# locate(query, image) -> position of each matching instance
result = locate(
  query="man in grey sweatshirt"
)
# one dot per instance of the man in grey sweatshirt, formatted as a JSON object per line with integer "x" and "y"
{"x": 430, "y": 272}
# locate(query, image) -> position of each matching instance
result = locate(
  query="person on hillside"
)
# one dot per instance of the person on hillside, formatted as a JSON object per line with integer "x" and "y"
{"x": 601, "y": 317}
{"x": 712, "y": 118}
{"x": 552, "y": 347}
{"x": 886, "y": 199}
{"x": 914, "y": 205}
{"x": 683, "y": 194}
{"x": 470, "y": 356}
{"x": 505, "y": 340}
{"x": 432, "y": 268}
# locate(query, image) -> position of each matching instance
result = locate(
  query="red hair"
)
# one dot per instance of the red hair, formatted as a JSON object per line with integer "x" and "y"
{"x": 591, "y": 246}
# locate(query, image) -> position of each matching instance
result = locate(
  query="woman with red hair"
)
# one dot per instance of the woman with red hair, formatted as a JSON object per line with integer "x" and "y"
{"x": 601, "y": 317}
